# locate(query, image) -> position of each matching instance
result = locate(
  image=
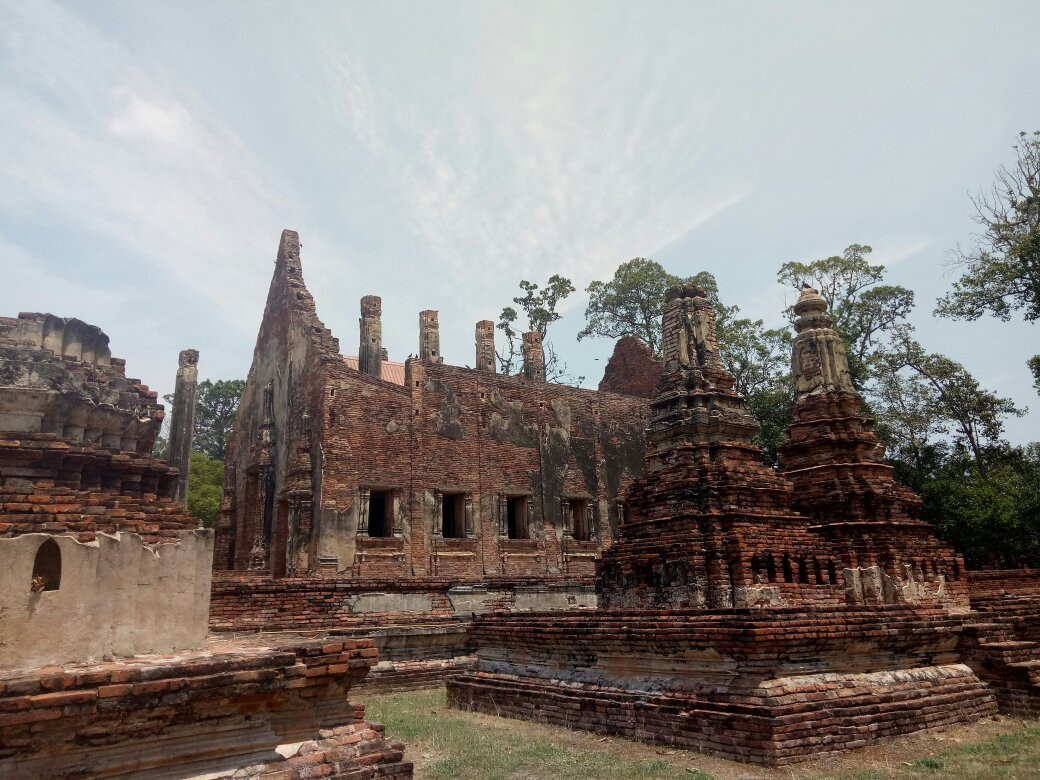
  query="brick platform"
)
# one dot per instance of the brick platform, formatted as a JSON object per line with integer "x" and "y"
{"x": 767, "y": 687}
{"x": 256, "y": 712}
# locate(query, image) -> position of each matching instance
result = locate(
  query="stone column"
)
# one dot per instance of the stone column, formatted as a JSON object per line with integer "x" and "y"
{"x": 183, "y": 422}
{"x": 486, "y": 346}
{"x": 534, "y": 356}
{"x": 429, "y": 336}
{"x": 370, "y": 352}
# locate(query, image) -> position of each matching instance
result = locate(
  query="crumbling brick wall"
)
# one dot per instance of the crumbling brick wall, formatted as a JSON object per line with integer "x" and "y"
{"x": 555, "y": 459}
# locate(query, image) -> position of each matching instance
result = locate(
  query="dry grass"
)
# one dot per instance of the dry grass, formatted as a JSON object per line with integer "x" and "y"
{"x": 447, "y": 744}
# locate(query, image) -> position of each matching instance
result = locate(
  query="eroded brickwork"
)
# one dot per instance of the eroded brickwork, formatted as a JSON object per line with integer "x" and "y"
{"x": 632, "y": 369}
{"x": 763, "y": 616}
{"x": 248, "y": 712}
{"x": 834, "y": 460}
{"x": 455, "y": 473}
{"x": 98, "y": 560}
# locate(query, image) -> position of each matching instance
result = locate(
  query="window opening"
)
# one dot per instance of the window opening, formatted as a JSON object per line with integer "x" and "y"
{"x": 580, "y": 520}
{"x": 380, "y": 513}
{"x": 516, "y": 517}
{"x": 453, "y": 514}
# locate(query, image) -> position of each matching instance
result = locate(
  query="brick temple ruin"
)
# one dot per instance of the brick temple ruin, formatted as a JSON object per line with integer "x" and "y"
{"x": 105, "y": 665}
{"x": 617, "y": 560}
{"x": 366, "y": 493}
{"x": 767, "y": 616}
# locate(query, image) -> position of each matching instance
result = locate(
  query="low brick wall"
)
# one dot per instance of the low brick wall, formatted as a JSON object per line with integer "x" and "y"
{"x": 280, "y": 711}
{"x": 997, "y": 582}
{"x": 253, "y": 603}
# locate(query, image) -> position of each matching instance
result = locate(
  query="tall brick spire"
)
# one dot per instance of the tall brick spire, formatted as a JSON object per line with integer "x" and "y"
{"x": 832, "y": 454}
{"x": 706, "y": 504}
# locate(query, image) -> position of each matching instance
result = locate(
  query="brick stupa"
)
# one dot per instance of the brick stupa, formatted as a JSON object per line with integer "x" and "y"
{"x": 834, "y": 460}
{"x": 729, "y": 621}
{"x": 708, "y": 521}
{"x": 105, "y": 665}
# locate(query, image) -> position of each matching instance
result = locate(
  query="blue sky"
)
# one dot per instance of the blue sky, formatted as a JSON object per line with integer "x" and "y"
{"x": 437, "y": 153}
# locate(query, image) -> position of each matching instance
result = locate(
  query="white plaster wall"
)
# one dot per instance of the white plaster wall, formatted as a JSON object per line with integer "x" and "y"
{"x": 118, "y": 597}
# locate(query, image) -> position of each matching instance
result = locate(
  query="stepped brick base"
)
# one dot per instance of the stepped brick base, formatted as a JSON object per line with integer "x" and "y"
{"x": 227, "y": 711}
{"x": 764, "y": 687}
{"x": 1002, "y": 645}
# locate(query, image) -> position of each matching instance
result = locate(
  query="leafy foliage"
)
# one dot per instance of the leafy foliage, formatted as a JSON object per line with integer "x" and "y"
{"x": 631, "y": 303}
{"x": 215, "y": 408}
{"x": 1001, "y": 273}
{"x": 205, "y": 486}
{"x": 925, "y": 394}
{"x": 539, "y": 305}
{"x": 993, "y": 518}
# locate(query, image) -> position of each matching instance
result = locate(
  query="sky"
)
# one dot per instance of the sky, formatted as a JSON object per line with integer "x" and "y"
{"x": 436, "y": 153}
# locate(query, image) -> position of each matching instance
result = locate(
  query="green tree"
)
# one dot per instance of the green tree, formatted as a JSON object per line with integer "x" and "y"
{"x": 1000, "y": 273}
{"x": 926, "y": 394}
{"x": 205, "y": 487}
{"x": 992, "y": 518}
{"x": 630, "y": 304}
{"x": 539, "y": 305}
{"x": 215, "y": 407}
{"x": 865, "y": 311}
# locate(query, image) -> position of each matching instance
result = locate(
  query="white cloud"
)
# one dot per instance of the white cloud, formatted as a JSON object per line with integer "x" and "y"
{"x": 525, "y": 172}
{"x": 138, "y": 117}
{"x": 92, "y": 142}
{"x": 891, "y": 253}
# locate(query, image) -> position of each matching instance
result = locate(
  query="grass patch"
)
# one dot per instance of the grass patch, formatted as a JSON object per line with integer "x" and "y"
{"x": 455, "y": 746}
{"x": 447, "y": 744}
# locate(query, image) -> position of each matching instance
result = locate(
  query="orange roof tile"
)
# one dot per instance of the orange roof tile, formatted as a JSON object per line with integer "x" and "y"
{"x": 389, "y": 371}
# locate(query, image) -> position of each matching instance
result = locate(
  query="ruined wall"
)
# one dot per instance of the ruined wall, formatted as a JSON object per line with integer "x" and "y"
{"x": 488, "y": 437}
{"x": 632, "y": 369}
{"x": 244, "y": 602}
{"x": 97, "y": 558}
{"x": 117, "y": 597}
{"x": 266, "y": 523}
{"x": 58, "y": 376}
{"x": 340, "y": 471}
{"x": 233, "y": 711}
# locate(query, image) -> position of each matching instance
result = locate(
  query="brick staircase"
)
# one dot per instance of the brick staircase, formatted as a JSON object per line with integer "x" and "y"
{"x": 1001, "y": 642}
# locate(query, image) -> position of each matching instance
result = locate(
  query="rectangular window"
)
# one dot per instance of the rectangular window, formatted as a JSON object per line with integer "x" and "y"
{"x": 381, "y": 513}
{"x": 579, "y": 518}
{"x": 453, "y": 515}
{"x": 516, "y": 517}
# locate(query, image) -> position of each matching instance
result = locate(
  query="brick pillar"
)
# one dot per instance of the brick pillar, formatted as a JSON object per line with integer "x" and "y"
{"x": 370, "y": 352}
{"x": 183, "y": 422}
{"x": 486, "y": 346}
{"x": 534, "y": 356}
{"x": 429, "y": 337}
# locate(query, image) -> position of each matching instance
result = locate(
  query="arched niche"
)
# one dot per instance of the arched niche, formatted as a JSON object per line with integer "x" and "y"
{"x": 46, "y": 573}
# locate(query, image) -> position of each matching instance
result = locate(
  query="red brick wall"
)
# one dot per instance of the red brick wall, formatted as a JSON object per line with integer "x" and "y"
{"x": 489, "y": 436}
{"x": 632, "y": 369}
{"x": 448, "y": 430}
